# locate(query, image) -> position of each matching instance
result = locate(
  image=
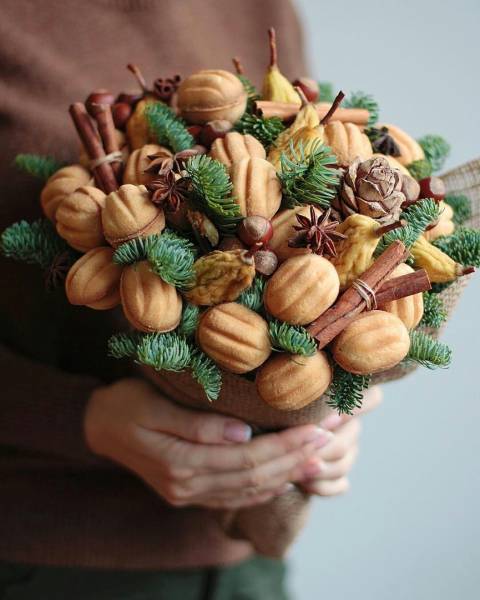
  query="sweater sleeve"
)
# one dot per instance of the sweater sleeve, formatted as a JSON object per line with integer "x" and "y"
{"x": 42, "y": 408}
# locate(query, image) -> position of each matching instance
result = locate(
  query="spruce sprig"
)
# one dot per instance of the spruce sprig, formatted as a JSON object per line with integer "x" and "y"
{"x": 171, "y": 258}
{"x": 418, "y": 217}
{"x": 346, "y": 390}
{"x": 325, "y": 91}
{"x": 169, "y": 130}
{"x": 428, "y": 352}
{"x": 289, "y": 338}
{"x": 363, "y": 100}
{"x": 123, "y": 345}
{"x": 38, "y": 166}
{"x": 463, "y": 246}
{"x": 134, "y": 250}
{"x": 252, "y": 93}
{"x": 436, "y": 149}
{"x": 164, "y": 351}
{"x": 462, "y": 207}
{"x": 189, "y": 321}
{"x": 206, "y": 372}
{"x": 35, "y": 243}
{"x": 211, "y": 192}
{"x": 434, "y": 313}
{"x": 420, "y": 169}
{"x": 311, "y": 179}
{"x": 252, "y": 297}
{"x": 265, "y": 130}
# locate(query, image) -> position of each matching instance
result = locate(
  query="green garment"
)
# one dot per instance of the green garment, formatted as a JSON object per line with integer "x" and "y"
{"x": 255, "y": 579}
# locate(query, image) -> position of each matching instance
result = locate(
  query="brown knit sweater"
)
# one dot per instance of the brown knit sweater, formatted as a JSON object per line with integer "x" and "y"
{"x": 59, "y": 504}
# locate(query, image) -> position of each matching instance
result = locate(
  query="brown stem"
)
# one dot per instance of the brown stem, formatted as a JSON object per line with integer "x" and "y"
{"x": 303, "y": 98}
{"x": 336, "y": 103}
{"x": 386, "y": 228}
{"x": 139, "y": 77}
{"x": 103, "y": 173}
{"x": 272, "y": 40}
{"x": 406, "y": 285}
{"x": 106, "y": 128}
{"x": 468, "y": 270}
{"x": 238, "y": 65}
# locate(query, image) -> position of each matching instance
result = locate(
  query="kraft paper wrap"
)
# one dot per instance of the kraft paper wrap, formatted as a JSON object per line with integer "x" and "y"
{"x": 271, "y": 528}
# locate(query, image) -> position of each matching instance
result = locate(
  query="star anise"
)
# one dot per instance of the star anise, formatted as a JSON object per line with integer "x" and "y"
{"x": 57, "y": 271}
{"x": 168, "y": 191}
{"x": 164, "y": 161}
{"x": 382, "y": 141}
{"x": 317, "y": 233}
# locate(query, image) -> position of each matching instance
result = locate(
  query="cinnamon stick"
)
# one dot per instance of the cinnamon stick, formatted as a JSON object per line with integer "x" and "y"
{"x": 287, "y": 112}
{"x": 103, "y": 172}
{"x": 405, "y": 285}
{"x": 351, "y": 303}
{"x": 102, "y": 114}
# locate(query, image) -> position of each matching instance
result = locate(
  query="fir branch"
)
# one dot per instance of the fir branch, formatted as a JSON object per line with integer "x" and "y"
{"x": 418, "y": 217}
{"x": 436, "y": 149}
{"x": 171, "y": 258}
{"x": 346, "y": 390}
{"x": 289, "y": 338}
{"x": 420, "y": 169}
{"x": 134, "y": 250}
{"x": 311, "y": 179}
{"x": 35, "y": 243}
{"x": 428, "y": 352}
{"x": 462, "y": 208}
{"x": 363, "y": 100}
{"x": 463, "y": 246}
{"x": 123, "y": 345}
{"x": 325, "y": 91}
{"x": 206, "y": 372}
{"x": 38, "y": 166}
{"x": 252, "y": 297}
{"x": 252, "y": 93}
{"x": 265, "y": 130}
{"x": 169, "y": 130}
{"x": 189, "y": 321}
{"x": 434, "y": 313}
{"x": 164, "y": 351}
{"x": 211, "y": 192}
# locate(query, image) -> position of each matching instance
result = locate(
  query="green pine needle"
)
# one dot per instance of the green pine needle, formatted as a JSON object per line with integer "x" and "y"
{"x": 363, "y": 100}
{"x": 212, "y": 192}
{"x": 420, "y": 169}
{"x": 290, "y": 338}
{"x": 134, "y": 250}
{"x": 311, "y": 179}
{"x": 206, "y": 372}
{"x": 189, "y": 321}
{"x": 123, "y": 345}
{"x": 463, "y": 246}
{"x": 325, "y": 91}
{"x": 38, "y": 166}
{"x": 346, "y": 390}
{"x": 169, "y": 130}
{"x": 428, "y": 352}
{"x": 434, "y": 313}
{"x": 436, "y": 150}
{"x": 172, "y": 258}
{"x": 462, "y": 208}
{"x": 252, "y": 93}
{"x": 418, "y": 217}
{"x": 164, "y": 351}
{"x": 35, "y": 243}
{"x": 265, "y": 130}
{"x": 252, "y": 297}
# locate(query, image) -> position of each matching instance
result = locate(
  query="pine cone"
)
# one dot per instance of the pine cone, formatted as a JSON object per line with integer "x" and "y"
{"x": 371, "y": 188}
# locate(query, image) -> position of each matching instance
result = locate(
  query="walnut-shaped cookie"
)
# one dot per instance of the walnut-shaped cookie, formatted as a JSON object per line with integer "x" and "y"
{"x": 283, "y": 224}
{"x": 79, "y": 218}
{"x": 347, "y": 142}
{"x": 235, "y": 146}
{"x": 409, "y": 309}
{"x": 256, "y": 187}
{"x": 139, "y": 161}
{"x": 62, "y": 183}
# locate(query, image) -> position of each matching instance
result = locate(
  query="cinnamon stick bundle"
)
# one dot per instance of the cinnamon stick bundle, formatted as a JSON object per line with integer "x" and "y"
{"x": 102, "y": 114}
{"x": 351, "y": 302}
{"x": 104, "y": 175}
{"x": 287, "y": 112}
{"x": 403, "y": 286}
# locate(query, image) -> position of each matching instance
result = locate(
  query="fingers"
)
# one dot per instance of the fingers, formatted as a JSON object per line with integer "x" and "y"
{"x": 322, "y": 487}
{"x": 335, "y": 469}
{"x": 344, "y": 439}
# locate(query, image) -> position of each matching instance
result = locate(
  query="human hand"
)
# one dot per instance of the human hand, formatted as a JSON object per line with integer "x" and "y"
{"x": 335, "y": 461}
{"x": 192, "y": 457}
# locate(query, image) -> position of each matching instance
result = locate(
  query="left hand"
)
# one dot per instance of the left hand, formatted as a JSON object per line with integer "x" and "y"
{"x": 335, "y": 461}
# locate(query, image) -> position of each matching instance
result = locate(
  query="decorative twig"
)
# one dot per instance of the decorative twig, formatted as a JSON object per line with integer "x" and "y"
{"x": 335, "y": 105}
{"x": 139, "y": 77}
{"x": 272, "y": 40}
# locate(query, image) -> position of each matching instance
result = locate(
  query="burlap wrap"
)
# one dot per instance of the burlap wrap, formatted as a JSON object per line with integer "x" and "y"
{"x": 272, "y": 527}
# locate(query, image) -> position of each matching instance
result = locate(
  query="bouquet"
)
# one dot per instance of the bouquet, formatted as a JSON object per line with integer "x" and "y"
{"x": 273, "y": 253}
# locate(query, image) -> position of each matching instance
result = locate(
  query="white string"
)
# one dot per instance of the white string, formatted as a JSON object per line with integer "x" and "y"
{"x": 366, "y": 292}
{"x": 116, "y": 156}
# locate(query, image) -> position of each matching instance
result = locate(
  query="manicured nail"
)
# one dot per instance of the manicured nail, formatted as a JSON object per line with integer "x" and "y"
{"x": 237, "y": 432}
{"x": 312, "y": 469}
{"x": 332, "y": 421}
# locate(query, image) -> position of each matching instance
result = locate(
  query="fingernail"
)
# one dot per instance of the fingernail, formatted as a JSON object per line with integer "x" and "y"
{"x": 323, "y": 438}
{"x": 312, "y": 469}
{"x": 332, "y": 421}
{"x": 237, "y": 432}
{"x": 314, "y": 434}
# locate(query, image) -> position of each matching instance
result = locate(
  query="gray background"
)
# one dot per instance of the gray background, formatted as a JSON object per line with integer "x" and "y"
{"x": 409, "y": 528}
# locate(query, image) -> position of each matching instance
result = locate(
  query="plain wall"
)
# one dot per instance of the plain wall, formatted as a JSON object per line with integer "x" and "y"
{"x": 409, "y": 528}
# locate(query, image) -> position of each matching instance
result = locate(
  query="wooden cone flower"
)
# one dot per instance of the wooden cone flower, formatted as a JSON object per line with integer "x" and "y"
{"x": 148, "y": 302}
{"x": 79, "y": 218}
{"x": 129, "y": 213}
{"x": 60, "y": 185}
{"x": 94, "y": 280}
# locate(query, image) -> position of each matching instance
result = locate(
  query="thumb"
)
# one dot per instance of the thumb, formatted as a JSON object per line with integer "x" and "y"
{"x": 199, "y": 426}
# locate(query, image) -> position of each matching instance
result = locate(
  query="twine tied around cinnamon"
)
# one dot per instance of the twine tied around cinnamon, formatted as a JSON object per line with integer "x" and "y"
{"x": 112, "y": 157}
{"x": 367, "y": 293}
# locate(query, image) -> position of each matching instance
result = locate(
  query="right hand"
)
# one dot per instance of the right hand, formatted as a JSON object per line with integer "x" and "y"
{"x": 196, "y": 458}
